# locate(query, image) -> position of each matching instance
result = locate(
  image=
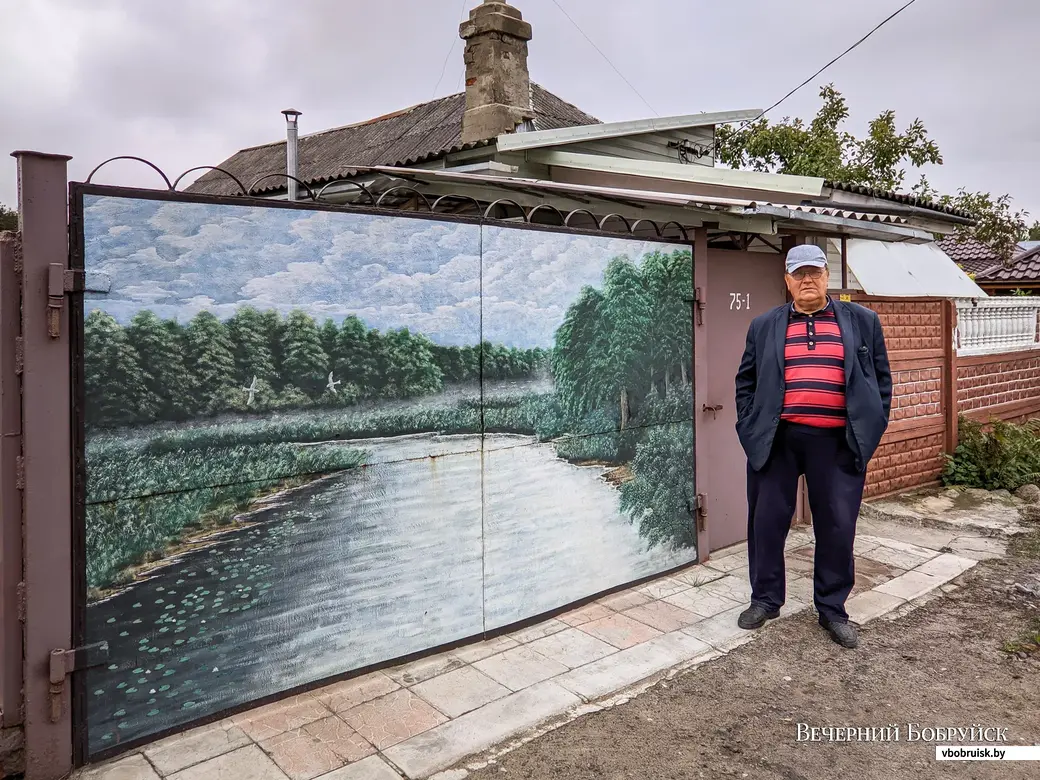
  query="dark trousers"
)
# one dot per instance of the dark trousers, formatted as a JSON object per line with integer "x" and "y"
{"x": 835, "y": 492}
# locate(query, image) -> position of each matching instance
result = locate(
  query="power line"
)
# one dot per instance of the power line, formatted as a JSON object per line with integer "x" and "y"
{"x": 881, "y": 24}
{"x": 447, "y": 56}
{"x": 604, "y": 56}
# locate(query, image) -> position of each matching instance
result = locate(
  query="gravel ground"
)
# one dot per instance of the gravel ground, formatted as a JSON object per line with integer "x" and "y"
{"x": 958, "y": 660}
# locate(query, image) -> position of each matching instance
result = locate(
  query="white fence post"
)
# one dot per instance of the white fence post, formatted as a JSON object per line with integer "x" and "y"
{"x": 989, "y": 325}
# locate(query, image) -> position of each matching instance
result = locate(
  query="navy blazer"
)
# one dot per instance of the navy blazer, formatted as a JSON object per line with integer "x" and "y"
{"x": 760, "y": 382}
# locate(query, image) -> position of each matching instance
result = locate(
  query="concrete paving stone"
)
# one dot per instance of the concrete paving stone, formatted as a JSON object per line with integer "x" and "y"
{"x": 195, "y": 746}
{"x": 393, "y": 718}
{"x": 371, "y": 768}
{"x": 285, "y": 715}
{"x": 665, "y": 586}
{"x": 918, "y": 536}
{"x": 698, "y": 575}
{"x": 732, "y": 587}
{"x": 572, "y": 647}
{"x": 539, "y": 630}
{"x": 796, "y": 539}
{"x": 453, "y": 741}
{"x": 871, "y": 604}
{"x": 633, "y": 664}
{"x": 620, "y": 631}
{"x": 317, "y": 748}
{"x": 899, "y": 558}
{"x": 480, "y": 650}
{"x": 797, "y": 565}
{"x": 863, "y": 543}
{"x": 792, "y": 607}
{"x": 719, "y": 630}
{"x": 456, "y": 693}
{"x": 423, "y": 669}
{"x": 913, "y": 549}
{"x": 451, "y": 774}
{"x": 910, "y": 585}
{"x": 626, "y": 599}
{"x": 946, "y": 566}
{"x": 700, "y": 602}
{"x": 134, "y": 767}
{"x": 662, "y": 616}
{"x": 520, "y": 667}
{"x": 248, "y": 763}
{"x": 733, "y": 549}
{"x": 727, "y": 562}
{"x": 346, "y": 695}
{"x": 979, "y": 548}
{"x": 805, "y": 552}
{"x": 586, "y": 614}
{"x": 799, "y": 589}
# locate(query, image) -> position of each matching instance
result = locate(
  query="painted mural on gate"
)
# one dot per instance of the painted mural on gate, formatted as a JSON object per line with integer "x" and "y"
{"x": 317, "y": 441}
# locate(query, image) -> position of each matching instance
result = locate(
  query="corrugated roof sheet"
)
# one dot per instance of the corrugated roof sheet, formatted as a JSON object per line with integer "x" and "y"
{"x": 971, "y": 255}
{"x": 902, "y": 269}
{"x": 407, "y": 137}
{"x": 898, "y": 197}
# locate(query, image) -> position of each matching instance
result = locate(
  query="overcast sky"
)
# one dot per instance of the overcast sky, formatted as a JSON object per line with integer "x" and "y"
{"x": 189, "y": 82}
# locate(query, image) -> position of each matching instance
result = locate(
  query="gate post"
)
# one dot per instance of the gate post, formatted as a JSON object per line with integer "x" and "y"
{"x": 47, "y": 461}
{"x": 700, "y": 381}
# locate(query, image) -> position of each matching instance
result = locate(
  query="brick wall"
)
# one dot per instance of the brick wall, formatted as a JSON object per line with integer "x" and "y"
{"x": 910, "y": 455}
{"x": 1005, "y": 386}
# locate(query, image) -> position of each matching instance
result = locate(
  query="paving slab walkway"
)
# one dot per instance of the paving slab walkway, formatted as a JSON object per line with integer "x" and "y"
{"x": 422, "y": 718}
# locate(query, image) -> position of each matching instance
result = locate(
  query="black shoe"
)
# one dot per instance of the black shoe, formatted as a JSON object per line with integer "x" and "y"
{"x": 755, "y": 616}
{"x": 844, "y": 634}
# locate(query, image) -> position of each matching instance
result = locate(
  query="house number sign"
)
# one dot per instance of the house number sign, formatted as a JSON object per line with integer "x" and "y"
{"x": 739, "y": 301}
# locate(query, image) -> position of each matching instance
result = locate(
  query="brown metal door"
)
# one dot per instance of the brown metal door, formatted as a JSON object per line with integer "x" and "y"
{"x": 741, "y": 285}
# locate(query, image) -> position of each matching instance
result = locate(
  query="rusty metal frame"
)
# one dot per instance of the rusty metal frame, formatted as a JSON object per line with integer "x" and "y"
{"x": 77, "y": 191}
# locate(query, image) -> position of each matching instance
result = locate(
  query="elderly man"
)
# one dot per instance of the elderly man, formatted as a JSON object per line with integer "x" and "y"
{"x": 813, "y": 397}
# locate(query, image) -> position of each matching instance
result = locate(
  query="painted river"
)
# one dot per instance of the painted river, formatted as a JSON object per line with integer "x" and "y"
{"x": 437, "y": 539}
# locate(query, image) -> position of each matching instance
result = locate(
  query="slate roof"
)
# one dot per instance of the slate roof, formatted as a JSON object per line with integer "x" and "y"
{"x": 407, "y": 137}
{"x": 898, "y": 197}
{"x": 971, "y": 255}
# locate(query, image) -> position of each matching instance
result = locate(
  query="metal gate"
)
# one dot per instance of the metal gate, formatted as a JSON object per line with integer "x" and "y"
{"x": 313, "y": 440}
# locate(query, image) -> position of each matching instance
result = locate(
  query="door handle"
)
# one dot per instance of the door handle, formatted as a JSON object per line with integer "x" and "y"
{"x": 712, "y": 409}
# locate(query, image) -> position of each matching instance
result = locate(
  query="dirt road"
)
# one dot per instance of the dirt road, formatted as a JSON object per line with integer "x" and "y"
{"x": 943, "y": 664}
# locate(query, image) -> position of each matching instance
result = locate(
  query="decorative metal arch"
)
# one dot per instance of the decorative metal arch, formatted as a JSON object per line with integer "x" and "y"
{"x": 488, "y": 210}
{"x": 151, "y": 165}
{"x": 638, "y": 222}
{"x": 210, "y": 168}
{"x": 282, "y": 176}
{"x": 586, "y": 212}
{"x": 450, "y": 196}
{"x": 403, "y": 188}
{"x": 602, "y": 222}
{"x": 351, "y": 182}
{"x": 547, "y": 207}
{"x": 682, "y": 231}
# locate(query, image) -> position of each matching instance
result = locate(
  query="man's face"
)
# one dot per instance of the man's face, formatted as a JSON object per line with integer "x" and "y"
{"x": 808, "y": 287}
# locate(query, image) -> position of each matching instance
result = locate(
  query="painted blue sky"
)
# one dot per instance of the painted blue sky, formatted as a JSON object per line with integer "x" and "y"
{"x": 178, "y": 259}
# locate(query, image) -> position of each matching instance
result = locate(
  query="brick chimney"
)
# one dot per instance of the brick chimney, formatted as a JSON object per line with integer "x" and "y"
{"x": 498, "y": 85}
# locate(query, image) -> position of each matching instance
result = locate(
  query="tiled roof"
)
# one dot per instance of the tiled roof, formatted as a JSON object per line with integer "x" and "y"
{"x": 898, "y": 197}
{"x": 1023, "y": 268}
{"x": 423, "y": 132}
{"x": 971, "y": 255}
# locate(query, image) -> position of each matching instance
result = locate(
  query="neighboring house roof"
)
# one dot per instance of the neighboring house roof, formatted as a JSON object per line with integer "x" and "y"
{"x": 1022, "y": 268}
{"x": 407, "y": 137}
{"x": 1025, "y": 246}
{"x": 971, "y": 255}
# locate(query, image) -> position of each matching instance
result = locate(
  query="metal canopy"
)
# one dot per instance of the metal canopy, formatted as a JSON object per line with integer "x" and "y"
{"x": 909, "y": 270}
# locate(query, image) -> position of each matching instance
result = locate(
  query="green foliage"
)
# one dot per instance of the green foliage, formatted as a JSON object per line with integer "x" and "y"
{"x": 1033, "y": 234}
{"x": 252, "y": 345}
{"x": 996, "y": 224}
{"x": 998, "y": 455}
{"x": 210, "y": 355}
{"x": 8, "y": 218}
{"x": 823, "y": 148}
{"x": 140, "y": 501}
{"x": 116, "y": 387}
{"x": 160, "y": 348}
{"x": 1021, "y": 293}
{"x": 660, "y": 496}
{"x": 304, "y": 362}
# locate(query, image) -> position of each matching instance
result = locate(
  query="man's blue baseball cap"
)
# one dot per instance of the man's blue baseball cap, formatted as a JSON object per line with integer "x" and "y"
{"x": 804, "y": 255}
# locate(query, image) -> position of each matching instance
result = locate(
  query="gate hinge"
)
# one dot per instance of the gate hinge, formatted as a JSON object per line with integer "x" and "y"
{"x": 19, "y": 355}
{"x": 19, "y": 472}
{"x": 698, "y": 302}
{"x": 66, "y": 662}
{"x": 702, "y": 511}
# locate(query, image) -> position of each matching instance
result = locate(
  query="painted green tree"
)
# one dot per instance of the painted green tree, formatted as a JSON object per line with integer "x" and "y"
{"x": 211, "y": 355}
{"x": 304, "y": 362}
{"x": 116, "y": 390}
{"x": 160, "y": 347}
{"x": 251, "y": 344}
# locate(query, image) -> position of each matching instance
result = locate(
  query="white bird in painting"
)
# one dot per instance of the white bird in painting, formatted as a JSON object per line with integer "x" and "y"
{"x": 331, "y": 387}
{"x": 252, "y": 392}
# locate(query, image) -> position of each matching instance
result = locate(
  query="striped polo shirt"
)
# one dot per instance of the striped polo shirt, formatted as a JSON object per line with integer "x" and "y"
{"x": 814, "y": 369}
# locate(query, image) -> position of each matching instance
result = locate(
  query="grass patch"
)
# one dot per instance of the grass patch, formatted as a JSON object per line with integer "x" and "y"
{"x": 1028, "y": 642}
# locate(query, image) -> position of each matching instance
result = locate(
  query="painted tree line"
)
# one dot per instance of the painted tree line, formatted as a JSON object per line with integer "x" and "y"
{"x": 160, "y": 369}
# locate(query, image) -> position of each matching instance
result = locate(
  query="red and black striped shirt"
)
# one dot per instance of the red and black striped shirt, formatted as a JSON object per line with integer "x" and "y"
{"x": 814, "y": 370}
